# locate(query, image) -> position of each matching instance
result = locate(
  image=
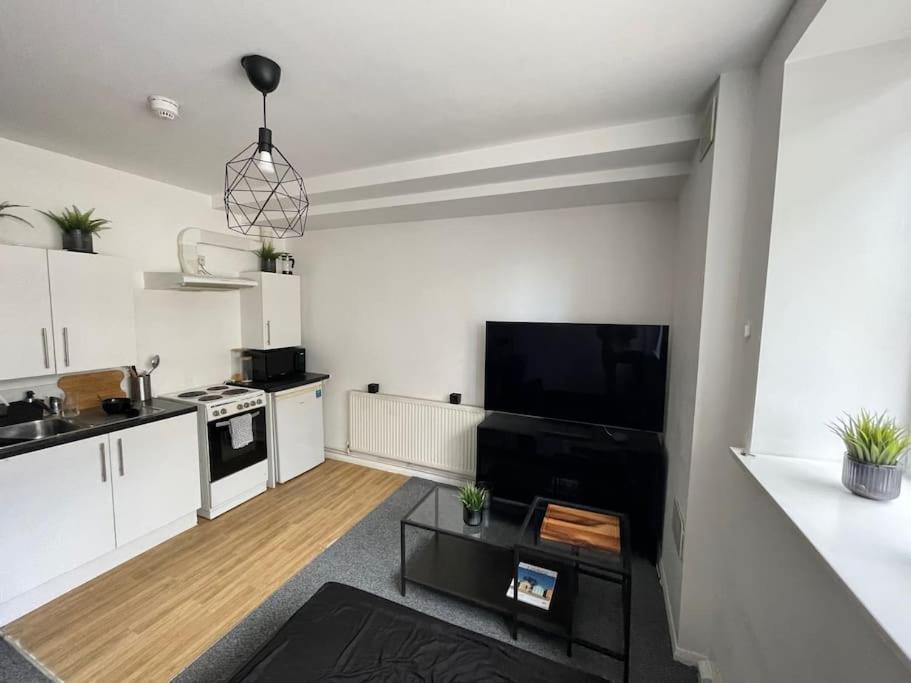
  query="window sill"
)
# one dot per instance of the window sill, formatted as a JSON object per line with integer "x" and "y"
{"x": 865, "y": 542}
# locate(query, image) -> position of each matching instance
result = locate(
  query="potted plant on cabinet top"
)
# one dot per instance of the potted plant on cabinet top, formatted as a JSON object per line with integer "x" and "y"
{"x": 78, "y": 228}
{"x": 4, "y": 212}
{"x": 875, "y": 446}
{"x": 267, "y": 256}
{"x": 472, "y": 499}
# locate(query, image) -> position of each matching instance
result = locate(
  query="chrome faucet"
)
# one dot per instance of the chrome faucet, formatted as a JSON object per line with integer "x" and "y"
{"x": 52, "y": 409}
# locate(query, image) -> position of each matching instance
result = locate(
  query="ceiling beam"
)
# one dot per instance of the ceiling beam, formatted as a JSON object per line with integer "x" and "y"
{"x": 630, "y": 162}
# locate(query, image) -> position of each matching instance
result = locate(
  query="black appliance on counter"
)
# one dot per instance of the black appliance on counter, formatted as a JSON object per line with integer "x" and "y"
{"x": 271, "y": 364}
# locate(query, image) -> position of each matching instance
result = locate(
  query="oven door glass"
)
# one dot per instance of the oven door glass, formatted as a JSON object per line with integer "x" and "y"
{"x": 224, "y": 459}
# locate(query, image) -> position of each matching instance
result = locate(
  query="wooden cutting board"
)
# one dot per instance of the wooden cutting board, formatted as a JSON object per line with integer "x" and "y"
{"x": 88, "y": 388}
{"x": 581, "y": 528}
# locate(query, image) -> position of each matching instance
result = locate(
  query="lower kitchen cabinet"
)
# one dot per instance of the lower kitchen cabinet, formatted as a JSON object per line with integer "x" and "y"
{"x": 56, "y": 512}
{"x": 69, "y": 513}
{"x": 155, "y": 475}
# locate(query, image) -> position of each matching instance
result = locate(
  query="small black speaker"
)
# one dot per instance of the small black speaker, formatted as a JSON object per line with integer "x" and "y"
{"x": 455, "y": 399}
{"x": 373, "y": 388}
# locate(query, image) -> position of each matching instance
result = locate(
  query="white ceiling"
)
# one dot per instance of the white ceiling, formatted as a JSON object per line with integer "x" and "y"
{"x": 363, "y": 83}
{"x": 849, "y": 24}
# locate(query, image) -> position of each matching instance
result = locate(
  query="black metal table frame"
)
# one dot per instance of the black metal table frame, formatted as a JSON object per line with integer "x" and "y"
{"x": 621, "y": 576}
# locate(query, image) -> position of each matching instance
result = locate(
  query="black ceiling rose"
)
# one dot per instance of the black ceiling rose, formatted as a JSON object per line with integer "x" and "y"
{"x": 263, "y": 73}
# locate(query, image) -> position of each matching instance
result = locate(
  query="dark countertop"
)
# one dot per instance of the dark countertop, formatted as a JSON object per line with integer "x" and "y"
{"x": 286, "y": 382}
{"x": 95, "y": 421}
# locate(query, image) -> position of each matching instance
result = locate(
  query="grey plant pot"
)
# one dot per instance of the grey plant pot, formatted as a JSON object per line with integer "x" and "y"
{"x": 76, "y": 240}
{"x": 877, "y": 482}
{"x": 267, "y": 265}
{"x": 471, "y": 517}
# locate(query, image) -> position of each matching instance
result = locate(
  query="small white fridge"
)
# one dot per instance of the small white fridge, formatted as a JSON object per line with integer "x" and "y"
{"x": 297, "y": 442}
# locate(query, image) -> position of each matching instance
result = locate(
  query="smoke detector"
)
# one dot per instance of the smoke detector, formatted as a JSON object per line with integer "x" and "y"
{"x": 164, "y": 107}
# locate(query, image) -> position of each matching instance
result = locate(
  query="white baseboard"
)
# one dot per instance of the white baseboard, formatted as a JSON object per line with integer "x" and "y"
{"x": 387, "y": 465}
{"x": 707, "y": 671}
{"x": 23, "y": 604}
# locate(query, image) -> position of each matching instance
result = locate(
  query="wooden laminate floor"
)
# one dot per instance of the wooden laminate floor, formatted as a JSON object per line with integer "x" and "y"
{"x": 153, "y": 615}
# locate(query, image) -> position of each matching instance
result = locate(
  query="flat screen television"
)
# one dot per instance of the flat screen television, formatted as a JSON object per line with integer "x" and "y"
{"x": 613, "y": 375}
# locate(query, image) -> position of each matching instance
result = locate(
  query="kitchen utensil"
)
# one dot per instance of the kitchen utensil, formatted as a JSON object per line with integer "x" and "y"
{"x": 133, "y": 371}
{"x": 156, "y": 359}
{"x": 285, "y": 263}
{"x": 141, "y": 388}
{"x": 115, "y": 405}
{"x": 83, "y": 391}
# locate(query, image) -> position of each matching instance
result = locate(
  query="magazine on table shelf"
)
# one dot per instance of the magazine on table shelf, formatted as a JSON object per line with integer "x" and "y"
{"x": 536, "y": 585}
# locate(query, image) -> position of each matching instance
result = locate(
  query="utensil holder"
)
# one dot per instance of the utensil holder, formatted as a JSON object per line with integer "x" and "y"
{"x": 141, "y": 389}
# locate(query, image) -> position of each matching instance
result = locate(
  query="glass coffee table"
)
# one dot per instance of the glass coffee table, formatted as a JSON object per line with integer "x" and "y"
{"x": 477, "y": 563}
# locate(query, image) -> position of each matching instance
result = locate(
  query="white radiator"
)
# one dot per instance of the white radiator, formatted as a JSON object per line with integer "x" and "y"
{"x": 412, "y": 430}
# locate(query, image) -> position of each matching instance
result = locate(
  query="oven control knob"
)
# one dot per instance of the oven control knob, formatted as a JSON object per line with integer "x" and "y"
{"x": 240, "y": 405}
{"x": 224, "y": 410}
{"x": 246, "y": 405}
{"x": 258, "y": 401}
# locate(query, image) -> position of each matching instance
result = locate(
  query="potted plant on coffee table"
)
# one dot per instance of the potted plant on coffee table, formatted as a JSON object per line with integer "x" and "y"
{"x": 267, "y": 256}
{"x": 875, "y": 446}
{"x": 78, "y": 228}
{"x": 472, "y": 499}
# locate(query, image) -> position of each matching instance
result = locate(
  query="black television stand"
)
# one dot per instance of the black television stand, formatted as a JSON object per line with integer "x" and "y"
{"x": 566, "y": 435}
{"x": 520, "y": 457}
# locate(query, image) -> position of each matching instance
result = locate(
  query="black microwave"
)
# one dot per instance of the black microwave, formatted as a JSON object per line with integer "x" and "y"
{"x": 271, "y": 364}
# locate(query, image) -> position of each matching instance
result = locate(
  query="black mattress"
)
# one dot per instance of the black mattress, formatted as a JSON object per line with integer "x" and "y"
{"x": 345, "y": 634}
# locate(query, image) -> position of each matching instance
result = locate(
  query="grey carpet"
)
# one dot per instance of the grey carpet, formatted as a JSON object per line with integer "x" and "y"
{"x": 367, "y": 557}
{"x": 14, "y": 668}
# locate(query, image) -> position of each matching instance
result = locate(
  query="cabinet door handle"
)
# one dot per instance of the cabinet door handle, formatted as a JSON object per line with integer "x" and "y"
{"x": 268, "y": 332}
{"x": 120, "y": 455}
{"x": 66, "y": 347}
{"x": 47, "y": 358}
{"x": 104, "y": 464}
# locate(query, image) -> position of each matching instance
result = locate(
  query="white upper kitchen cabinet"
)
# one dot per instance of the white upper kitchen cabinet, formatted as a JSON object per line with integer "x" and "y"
{"x": 155, "y": 472}
{"x": 271, "y": 313}
{"x": 56, "y": 512}
{"x": 26, "y": 344}
{"x": 92, "y": 305}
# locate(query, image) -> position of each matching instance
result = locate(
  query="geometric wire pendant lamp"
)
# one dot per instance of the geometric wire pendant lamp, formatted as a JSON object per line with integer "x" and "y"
{"x": 264, "y": 194}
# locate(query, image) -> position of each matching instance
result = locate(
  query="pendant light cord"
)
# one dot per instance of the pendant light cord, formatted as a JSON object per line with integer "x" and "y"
{"x": 264, "y": 111}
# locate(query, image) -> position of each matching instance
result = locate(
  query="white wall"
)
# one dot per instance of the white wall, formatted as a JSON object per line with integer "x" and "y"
{"x": 193, "y": 332}
{"x": 705, "y": 355}
{"x": 405, "y": 304}
{"x": 689, "y": 275}
{"x": 837, "y": 331}
{"x": 756, "y": 598}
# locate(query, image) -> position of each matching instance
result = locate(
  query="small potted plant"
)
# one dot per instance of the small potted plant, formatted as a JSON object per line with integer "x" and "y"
{"x": 875, "y": 446}
{"x": 267, "y": 256}
{"x": 472, "y": 499}
{"x": 78, "y": 228}
{"x": 4, "y": 212}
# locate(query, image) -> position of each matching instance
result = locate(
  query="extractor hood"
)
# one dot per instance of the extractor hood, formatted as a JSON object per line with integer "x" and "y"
{"x": 195, "y": 283}
{"x": 193, "y": 277}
